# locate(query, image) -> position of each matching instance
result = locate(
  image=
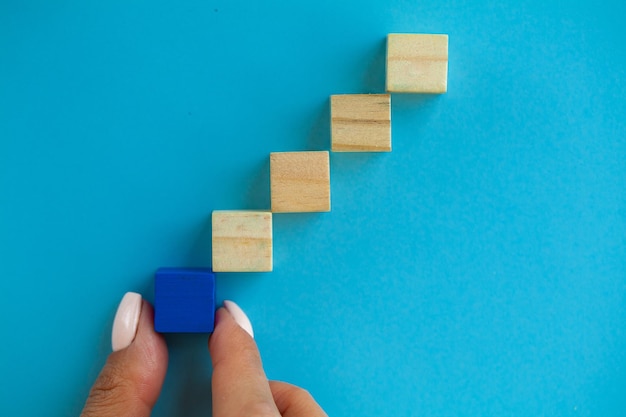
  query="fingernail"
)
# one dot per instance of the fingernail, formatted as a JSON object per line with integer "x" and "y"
{"x": 126, "y": 321}
{"x": 240, "y": 317}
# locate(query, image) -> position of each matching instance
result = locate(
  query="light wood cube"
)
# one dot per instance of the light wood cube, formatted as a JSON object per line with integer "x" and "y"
{"x": 300, "y": 181}
{"x": 242, "y": 241}
{"x": 417, "y": 63}
{"x": 360, "y": 123}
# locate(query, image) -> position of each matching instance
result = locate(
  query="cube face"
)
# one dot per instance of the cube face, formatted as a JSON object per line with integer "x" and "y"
{"x": 242, "y": 241}
{"x": 184, "y": 300}
{"x": 300, "y": 182}
{"x": 417, "y": 63}
{"x": 360, "y": 123}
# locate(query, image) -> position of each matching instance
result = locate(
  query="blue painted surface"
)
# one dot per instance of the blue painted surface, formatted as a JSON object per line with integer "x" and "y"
{"x": 477, "y": 270}
{"x": 184, "y": 300}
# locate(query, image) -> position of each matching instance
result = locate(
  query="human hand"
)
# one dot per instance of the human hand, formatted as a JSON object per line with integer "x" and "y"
{"x": 240, "y": 387}
{"x": 133, "y": 375}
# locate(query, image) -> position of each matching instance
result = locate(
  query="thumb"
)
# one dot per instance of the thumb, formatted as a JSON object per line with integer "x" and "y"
{"x": 131, "y": 380}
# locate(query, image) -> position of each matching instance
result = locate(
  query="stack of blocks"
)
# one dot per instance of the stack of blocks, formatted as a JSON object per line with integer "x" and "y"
{"x": 299, "y": 182}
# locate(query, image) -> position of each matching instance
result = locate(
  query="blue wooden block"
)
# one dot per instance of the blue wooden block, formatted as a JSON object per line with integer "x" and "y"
{"x": 184, "y": 300}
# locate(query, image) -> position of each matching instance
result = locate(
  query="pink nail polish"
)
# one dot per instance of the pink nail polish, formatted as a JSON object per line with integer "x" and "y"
{"x": 240, "y": 317}
{"x": 126, "y": 321}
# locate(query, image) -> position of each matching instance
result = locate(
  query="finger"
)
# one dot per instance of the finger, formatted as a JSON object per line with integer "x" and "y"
{"x": 131, "y": 380}
{"x": 240, "y": 387}
{"x": 293, "y": 401}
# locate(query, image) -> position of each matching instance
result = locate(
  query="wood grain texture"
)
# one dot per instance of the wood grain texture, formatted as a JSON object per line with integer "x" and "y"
{"x": 300, "y": 181}
{"x": 360, "y": 123}
{"x": 242, "y": 241}
{"x": 417, "y": 63}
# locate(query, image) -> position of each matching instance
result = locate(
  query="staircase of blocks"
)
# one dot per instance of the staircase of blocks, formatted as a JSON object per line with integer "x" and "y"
{"x": 184, "y": 298}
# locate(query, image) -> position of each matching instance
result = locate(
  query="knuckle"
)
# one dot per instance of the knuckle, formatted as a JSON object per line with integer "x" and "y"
{"x": 293, "y": 399}
{"x": 110, "y": 388}
{"x": 301, "y": 395}
{"x": 296, "y": 392}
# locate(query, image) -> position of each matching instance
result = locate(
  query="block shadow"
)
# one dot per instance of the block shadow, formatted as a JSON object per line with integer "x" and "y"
{"x": 190, "y": 367}
{"x": 410, "y": 102}
{"x": 319, "y": 134}
{"x": 258, "y": 191}
{"x": 374, "y": 78}
{"x": 202, "y": 247}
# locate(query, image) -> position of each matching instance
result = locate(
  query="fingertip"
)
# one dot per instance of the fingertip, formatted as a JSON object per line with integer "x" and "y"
{"x": 148, "y": 340}
{"x": 228, "y": 328}
{"x": 227, "y": 334}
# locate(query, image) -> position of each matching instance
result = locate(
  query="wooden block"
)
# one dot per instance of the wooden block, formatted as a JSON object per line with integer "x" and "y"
{"x": 417, "y": 63}
{"x": 360, "y": 123}
{"x": 242, "y": 241}
{"x": 300, "y": 181}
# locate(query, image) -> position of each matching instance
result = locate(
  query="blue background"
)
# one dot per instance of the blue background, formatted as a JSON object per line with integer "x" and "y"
{"x": 477, "y": 270}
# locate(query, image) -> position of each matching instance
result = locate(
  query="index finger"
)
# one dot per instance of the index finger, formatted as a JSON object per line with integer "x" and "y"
{"x": 240, "y": 387}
